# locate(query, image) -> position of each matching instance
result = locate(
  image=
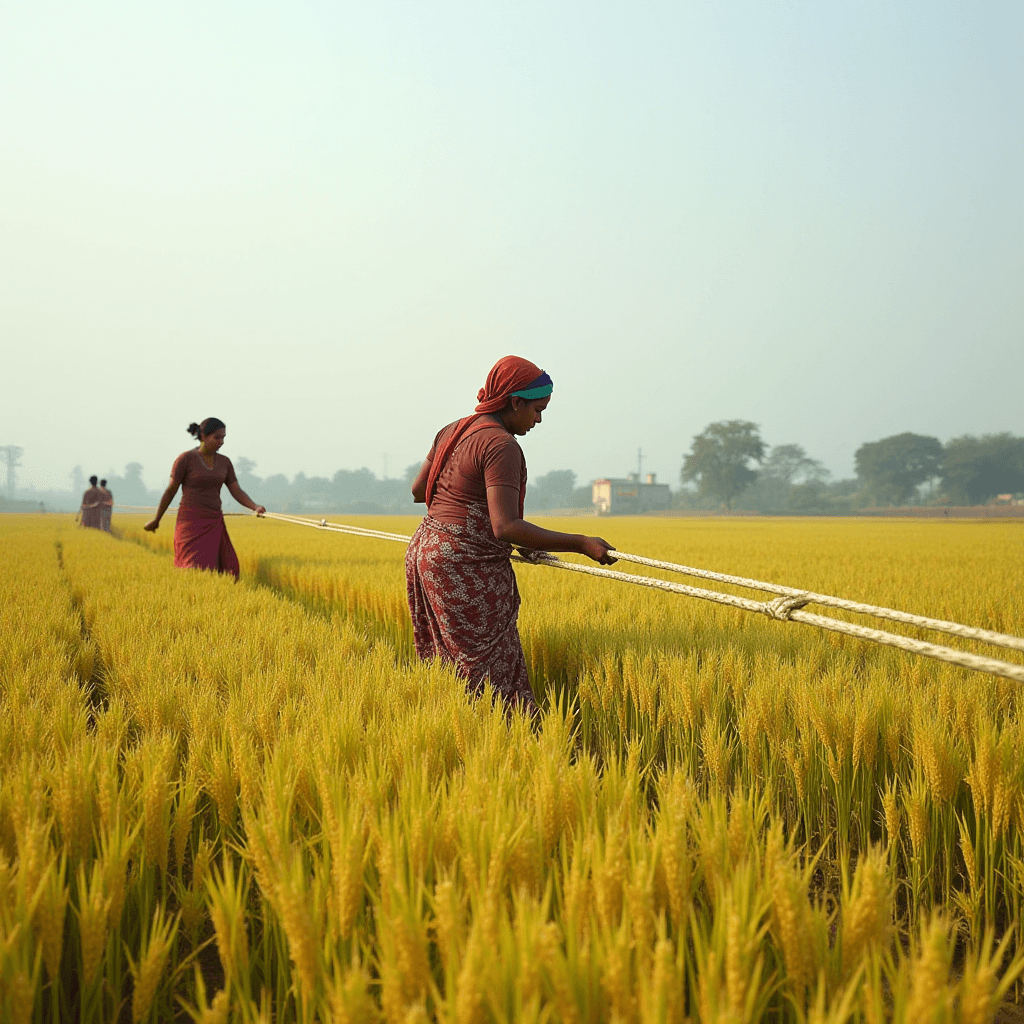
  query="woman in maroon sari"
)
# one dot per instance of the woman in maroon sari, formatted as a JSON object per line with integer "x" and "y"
{"x": 92, "y": 506}
{"x": 201, "y": 539}
{"x": 462, "y": 592}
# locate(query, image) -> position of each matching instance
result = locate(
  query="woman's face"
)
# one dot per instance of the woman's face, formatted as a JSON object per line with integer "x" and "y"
{"x": 526, "y": 414}
{"x": 212, "y": 442}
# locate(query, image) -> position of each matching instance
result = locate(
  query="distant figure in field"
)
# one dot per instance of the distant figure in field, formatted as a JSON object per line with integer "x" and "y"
{"x": 91, "y": 507}
{"x": 463, "y": 596}
{"x": 201, "y": 538}
{"x": 106, "y": 506}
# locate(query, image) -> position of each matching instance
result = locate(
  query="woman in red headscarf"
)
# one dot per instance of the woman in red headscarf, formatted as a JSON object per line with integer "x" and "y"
{"x": 462, "y": 592}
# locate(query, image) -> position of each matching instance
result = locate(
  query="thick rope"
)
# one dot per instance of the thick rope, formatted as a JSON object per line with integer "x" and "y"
{"x": 355, "y": 531}
{"x": 787, "y": 607}
{"x": 153, "y": 508}
{"x": 940, "y": 625}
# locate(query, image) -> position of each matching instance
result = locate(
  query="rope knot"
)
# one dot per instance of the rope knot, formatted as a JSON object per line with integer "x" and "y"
{"x": 529, "y": 555}
{"x": 782, "y": 608}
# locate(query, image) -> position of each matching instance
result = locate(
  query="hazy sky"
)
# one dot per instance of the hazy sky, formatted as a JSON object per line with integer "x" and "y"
{"x": 322, "y": 222}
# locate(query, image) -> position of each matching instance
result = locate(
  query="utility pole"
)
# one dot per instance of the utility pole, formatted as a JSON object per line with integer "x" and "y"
{"x": 385, "y": 465}
{"x": 639, "y": 462}
{"x": 10, "y": 454}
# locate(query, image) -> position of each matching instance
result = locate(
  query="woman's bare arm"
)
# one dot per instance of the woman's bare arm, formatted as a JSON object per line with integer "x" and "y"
{"x": 503, "y": 508}
{"x": 419, "y": 485}
{"x": 243, "y": 499}
{"x": 165, "y": 499}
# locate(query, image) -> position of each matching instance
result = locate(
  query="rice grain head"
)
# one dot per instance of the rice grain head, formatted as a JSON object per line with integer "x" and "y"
{"x": 867, "y": 910}
{"x": 49, "y": 916}
{"x": 916, "y": 804}
{"x": 92, "y": 911}
{"x": 152, "y": 961}
{"x": 931, "y": 997}
{"x": 349, "y": 996}
{"x": 985, "y": 981}
{"x": 184, "y": 814}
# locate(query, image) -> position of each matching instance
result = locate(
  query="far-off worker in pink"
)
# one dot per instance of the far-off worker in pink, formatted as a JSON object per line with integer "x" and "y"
{"x": 92, "y": 505}
{"x": 462, "y": 591}
{"x": 201, "y": 538}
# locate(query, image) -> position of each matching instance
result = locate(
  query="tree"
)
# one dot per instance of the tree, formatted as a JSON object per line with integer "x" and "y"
{"x": 893, "y": 467}
{"x": 130, "y": 489}
{"x": 975, "y": 469}
{"x": 792, "y": 465}
{"x": 814, "y": 497}
{"x": 786, "y": 469}
{"x": 553, "y": 490}
{"x": 246, "y": 477}
{"x": 275, "y": 492}
{"x": 349, "y": 485}
{"x": 719, "y": 457}
{"x": 316, "y": 493}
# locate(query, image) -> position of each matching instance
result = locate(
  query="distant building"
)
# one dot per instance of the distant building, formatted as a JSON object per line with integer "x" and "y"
{"x": 616, "y": 497}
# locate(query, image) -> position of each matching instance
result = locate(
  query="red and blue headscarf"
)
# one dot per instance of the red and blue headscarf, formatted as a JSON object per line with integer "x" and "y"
{"x": 511, "y": 376}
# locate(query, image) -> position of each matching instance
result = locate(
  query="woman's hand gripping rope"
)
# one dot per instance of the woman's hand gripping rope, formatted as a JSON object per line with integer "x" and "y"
{"x": 594, "y": 548}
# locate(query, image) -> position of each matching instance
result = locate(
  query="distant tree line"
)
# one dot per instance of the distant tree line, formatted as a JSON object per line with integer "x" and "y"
{"x": 729, "y": 463}
{"x": 348, "y": 490}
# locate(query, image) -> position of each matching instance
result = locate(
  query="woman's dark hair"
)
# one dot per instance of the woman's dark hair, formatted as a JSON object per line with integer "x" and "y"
{"x": 208, "y": 426}
{"x": 92, "y": 480}
{"x": 103, "y": 483}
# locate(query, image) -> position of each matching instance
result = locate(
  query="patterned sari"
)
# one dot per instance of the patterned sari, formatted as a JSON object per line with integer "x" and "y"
{"x": 464, "y": 604}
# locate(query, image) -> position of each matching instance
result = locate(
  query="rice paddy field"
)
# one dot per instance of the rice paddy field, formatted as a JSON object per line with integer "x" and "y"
{"x": 249, "y": 802}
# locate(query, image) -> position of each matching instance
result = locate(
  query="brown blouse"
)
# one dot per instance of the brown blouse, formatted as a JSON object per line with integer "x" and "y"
{"x": 93, "y": 496}
{"x": 487, "y": 456}
{"x": 200, "y": 485}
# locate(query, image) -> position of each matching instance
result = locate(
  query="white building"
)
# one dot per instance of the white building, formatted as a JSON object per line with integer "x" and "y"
{"x": 630, "y": 496}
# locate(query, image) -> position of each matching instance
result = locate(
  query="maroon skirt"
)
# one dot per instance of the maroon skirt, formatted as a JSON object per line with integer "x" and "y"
{"x": 464, "y": 604}
{"x": 201, "y": 541}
